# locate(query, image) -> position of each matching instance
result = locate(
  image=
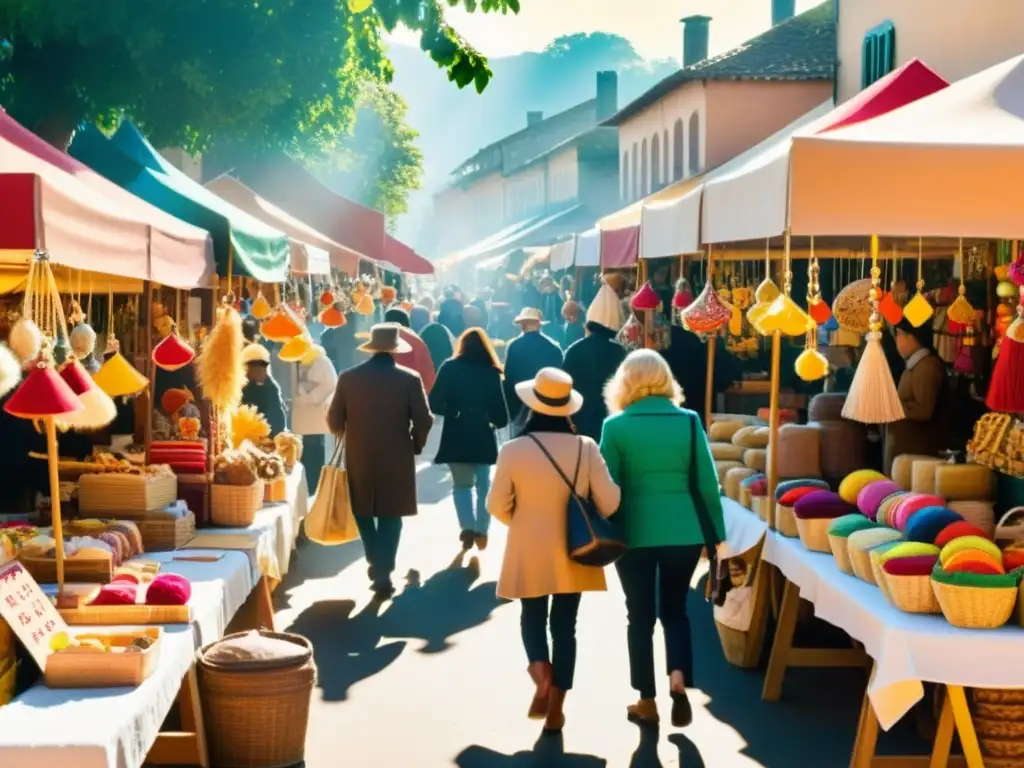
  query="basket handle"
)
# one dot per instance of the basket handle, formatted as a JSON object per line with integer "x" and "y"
{"x": 1002, "y": 525}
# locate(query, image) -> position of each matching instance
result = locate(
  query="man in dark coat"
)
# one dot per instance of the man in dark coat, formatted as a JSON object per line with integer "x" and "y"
{"x": 593, "y": 360}
{"x": 380, "y": 410}
{"x": 530, "y": 351}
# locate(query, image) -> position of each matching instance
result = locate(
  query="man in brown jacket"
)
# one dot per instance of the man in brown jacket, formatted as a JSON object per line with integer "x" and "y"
{"x": 380, "y": 410}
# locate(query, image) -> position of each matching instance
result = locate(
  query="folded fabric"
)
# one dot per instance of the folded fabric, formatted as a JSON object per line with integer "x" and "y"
{"x": 918, "y": 565}
{"x": 872, "y": 494}
{"x": 847, "y": 524}
{"x": 973, "y": 560}
{"x": 911, "y": 549}
{"x": 970, "y": 542}
{"x": 807, "y": 482}
{"x": 821, "y": 504}
{"x": 958, "y": 530}
{"x": 854, "y": 483}
{"x": 968, "y": 579}
{"x": 929, "y": 522}
{"x": 869, "y": 538}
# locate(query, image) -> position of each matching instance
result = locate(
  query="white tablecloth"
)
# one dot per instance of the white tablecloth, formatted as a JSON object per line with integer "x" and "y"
{"x": 116, "y": 727}
{"x": 908, "y": 649}
{"x": 743, "y": 529}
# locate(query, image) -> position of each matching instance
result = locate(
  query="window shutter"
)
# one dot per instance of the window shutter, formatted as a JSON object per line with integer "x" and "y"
{"x": 878, "y": 53}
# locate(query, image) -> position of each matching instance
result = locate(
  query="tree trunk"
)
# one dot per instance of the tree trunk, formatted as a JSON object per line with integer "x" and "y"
{"x": 57, "y": 129}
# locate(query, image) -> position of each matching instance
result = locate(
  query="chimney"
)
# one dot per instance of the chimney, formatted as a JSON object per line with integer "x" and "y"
{"x": 534, "y": 118}
{"x": 695, "y": 39}
{"x": 607, "y": 95}
{"x": 782, "y": 10}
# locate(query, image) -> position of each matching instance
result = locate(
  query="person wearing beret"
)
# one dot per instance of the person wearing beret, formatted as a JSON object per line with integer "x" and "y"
{"x": 921, "y": 389}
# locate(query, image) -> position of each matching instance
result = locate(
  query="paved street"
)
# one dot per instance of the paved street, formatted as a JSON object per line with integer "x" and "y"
{"x": 438, "y": 678}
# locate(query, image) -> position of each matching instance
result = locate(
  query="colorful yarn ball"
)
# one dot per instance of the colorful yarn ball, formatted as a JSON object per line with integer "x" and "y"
{"x": 169, "y": 589}
{"x": 911, "y": 549}
{"x": 958, "y": 530}
{"x": 888, "y": 505}
{"x": 116, "y": 593}
{"x": 929, "y": 522}
{"x": 918, "y": 565}
{"x": 818, "y": 505}
{"x": 854, "y": 483}
{"x": 843, "y": 526}
{"x": 872, "y": 495}
{"x": 910, "y": 505}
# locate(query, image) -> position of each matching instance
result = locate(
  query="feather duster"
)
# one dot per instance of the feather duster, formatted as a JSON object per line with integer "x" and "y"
{"x": 247, "y": 423}
{"x": 220, "y": 369}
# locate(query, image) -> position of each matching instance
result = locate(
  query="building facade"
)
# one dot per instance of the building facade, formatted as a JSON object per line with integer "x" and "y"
{"x": 955, "y": 39}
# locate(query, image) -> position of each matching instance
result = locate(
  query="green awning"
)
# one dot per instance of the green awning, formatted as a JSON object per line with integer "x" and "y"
{"x": 128, "y": 159}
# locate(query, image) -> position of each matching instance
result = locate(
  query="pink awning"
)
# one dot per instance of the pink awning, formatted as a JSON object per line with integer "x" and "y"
{"x": 90, "y": 223}
{"x": 620, "y": 247}
{"x": 405, "y": 258}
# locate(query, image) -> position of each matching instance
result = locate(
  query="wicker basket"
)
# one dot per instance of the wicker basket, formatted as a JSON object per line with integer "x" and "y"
{"x": 126, "y": 495}
{"x": 911, "y": 594}
{"x": 878, "y": 574}
{"x": 785, "y": 522}
{"x": 257, "y": 717}
{"x": 860, "y": 559}
{"x": 814, "y": 534}
{"x": 275, "y": 490}
{"x": 734, "y": 644}
{"x": 976, "y": 607}
{"x": 759, "y": 504}
{"x": 1004, "y": 697}
{"x": 841, "y": 553}
{"x": 1001, "y": 729}
{"x": 163, "y": 535}
{"x": 746, "y": 498}
{"x": 89, "y": 570}
{"x": 235, "y": 506}
{"x": 994, "y": 747}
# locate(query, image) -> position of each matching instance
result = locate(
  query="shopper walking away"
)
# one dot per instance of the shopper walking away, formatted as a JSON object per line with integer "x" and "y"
{"x": 449, "y": 312}
{"x": 593, "y": 360}
{"x": 530, "y": 497}
{"x": 658, "y": 454}
{"x": 341, "y": 344}
{"x": 314, "y": 383}
{"x": 418, "y": 358}
{"x": 468, "y": 395}
{"x": 440, "y": 343}
{"x": 530, "y": 351}
{"x": 380, "y": 410}
{"x": 262, "y": 391}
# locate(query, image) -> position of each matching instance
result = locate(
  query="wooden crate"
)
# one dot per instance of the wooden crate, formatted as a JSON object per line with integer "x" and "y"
{"x": 85, "y": 669}
{"x": 162, "y": 534}
{"x": 126, "y": 615}
{"x": 76, "y": 569}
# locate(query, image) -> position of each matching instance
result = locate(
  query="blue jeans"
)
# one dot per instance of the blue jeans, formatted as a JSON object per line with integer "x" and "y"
{"x": 464, "y": 478}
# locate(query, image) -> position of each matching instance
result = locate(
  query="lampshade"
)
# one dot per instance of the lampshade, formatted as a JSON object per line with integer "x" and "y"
{"x": 260, "y": 308}
{"x": 787, "y": 316}
{"x": 682, "y": 299}
{"x": 294, "y": 349}
{"x": 43, "y": 393}
{"x": 312, "y": 355}
{"x": 365, "y": 305}
{"x": 281, "y": 326}
{"x": 645, "y": 299}
{"x": 118, "y": 378}
{"x": 388, "y": 294}
{"x": 98, "y": 410}
{"x": 10, "y": 370}
{"x": 326, "y": 299}
{"x": 707, "y": 313}
{"x": 332, "y": 317}
{"x": 172, "y": 353}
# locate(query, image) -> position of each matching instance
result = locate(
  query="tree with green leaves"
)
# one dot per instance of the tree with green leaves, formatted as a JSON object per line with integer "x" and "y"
{"x": 268, "y": 73}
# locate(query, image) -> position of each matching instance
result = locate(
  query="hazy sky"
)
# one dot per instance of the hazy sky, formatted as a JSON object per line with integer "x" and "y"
{"x": 654, "y": 31}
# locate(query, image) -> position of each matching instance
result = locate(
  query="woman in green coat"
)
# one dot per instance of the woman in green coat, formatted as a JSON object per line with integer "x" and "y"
{"x": 658, "y": 455}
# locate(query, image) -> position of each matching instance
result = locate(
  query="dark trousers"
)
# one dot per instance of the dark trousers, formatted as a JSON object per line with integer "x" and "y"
{"x": 562, "y": 620}
{"x": 649, "y": 576}
{"x": 380, "y": 537}
{"x": 314, "y": 456}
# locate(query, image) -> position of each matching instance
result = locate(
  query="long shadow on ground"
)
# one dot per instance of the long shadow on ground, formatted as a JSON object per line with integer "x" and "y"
{"x": 548, "y": 752}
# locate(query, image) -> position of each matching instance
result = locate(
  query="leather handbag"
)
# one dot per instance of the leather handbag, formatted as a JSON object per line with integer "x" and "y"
{"x": 591, "y": 539}
{"x": 330, "y": 522}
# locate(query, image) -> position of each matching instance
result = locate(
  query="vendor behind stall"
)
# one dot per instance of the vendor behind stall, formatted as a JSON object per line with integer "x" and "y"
{"x": 921, "y": 389}
{"x": 261, "y": 391}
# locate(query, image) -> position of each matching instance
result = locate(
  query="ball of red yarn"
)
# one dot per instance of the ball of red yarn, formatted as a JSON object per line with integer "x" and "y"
{"x": 169, "y": 589}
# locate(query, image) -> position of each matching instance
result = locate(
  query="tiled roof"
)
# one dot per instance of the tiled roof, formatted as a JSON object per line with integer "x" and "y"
{"x": 802, "y": 48}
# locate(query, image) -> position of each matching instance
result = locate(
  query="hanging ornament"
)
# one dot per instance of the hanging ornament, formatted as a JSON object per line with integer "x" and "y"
{"x": 172, "y": 353}
{"x": 332, "y": 317}
{"x": 918, "y": 310}
{"x": 43, "y": 393}
{"x": 326, "y": 299}
{"x": 784, "y": 314}
{"x": 872, "y": 398}
{"x": 314, "y": 353}
{"x": 118, "y": 378}
{"x": 646, "y": 299}
{"x": 359, "y": 6}
{"x": 220, "y": 370}
{"x": 810, "y": 364}
{"x": 964, "y": 362}
{"x": 888, "y": 307}
{"x": 260, "y": 308}
{"x": 708, "y": 312}
{"x": 365, "y": 304}
{"x": 83, "y": 340}
{"x": 10, "y": 370}
{"x": 294, "y": 349}
{"x": 281, "y": 326}
{"x": 98, "y": 409}
{"x": 961, "y": 311}
{"x": 25, "y": 339}
{"x": 852, "y": 307}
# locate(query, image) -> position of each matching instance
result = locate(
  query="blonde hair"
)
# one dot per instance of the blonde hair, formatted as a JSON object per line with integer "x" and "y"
{"x": 644, "y": 373}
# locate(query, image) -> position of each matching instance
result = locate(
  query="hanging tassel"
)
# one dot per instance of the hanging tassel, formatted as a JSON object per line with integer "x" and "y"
{"x": 1006, "y": 390}
{"x": 873, "y": 398}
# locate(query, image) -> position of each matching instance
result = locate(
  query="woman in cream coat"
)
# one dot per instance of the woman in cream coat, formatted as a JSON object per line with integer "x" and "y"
{"x": 530, "y": 497}
{"x": 313, "y": 384}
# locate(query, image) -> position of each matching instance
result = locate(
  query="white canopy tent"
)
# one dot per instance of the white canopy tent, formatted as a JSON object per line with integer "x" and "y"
{"x": 948, "y": 165}
{"x": 588, "y": 248}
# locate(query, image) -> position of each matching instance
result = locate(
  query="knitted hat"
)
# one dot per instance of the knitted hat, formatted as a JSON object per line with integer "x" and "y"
{"x": 606, "y": 309}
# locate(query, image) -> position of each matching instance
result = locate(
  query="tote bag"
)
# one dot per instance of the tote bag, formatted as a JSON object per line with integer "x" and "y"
{"x": 591, "y": 539}
{"x": 331, "y": 522}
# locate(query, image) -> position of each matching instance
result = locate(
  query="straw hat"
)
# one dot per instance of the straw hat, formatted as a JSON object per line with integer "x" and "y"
{"x": 530, "y": 315}
{"x": 255, "y": 353}
{"x": 550, "y": 393}
{"x": 386, "y": 337}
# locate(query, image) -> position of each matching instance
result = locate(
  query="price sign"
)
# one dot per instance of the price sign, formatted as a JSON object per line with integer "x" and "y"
{"x": 28, "y": 611}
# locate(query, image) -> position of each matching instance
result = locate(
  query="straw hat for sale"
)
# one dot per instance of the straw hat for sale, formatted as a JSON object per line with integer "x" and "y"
{"x": 550, "y": 393}
{"x": 530, "y": 315}
{"x": 386, "y": 337}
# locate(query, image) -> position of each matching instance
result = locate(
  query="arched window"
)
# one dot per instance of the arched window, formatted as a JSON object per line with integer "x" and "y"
{"x": 668, "y": 159}
{"x": 624, "y": 183}
{"x": 694, "y": 143}
{"x": 677, "y": 151}
{"x": 655, "y": 162}
{"x": 634, "y": 187}
{"x": 644, "y": 189}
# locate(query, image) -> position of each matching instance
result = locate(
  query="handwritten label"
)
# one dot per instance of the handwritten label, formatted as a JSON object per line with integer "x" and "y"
{"x": 29, "y": 612}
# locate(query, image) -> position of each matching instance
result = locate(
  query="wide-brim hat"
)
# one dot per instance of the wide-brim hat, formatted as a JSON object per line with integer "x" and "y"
{"x": 529, "y": 315}
{"x": 550, "y": 393}
{"x": 255, "y": 353}
{"x": 386, "y": 337}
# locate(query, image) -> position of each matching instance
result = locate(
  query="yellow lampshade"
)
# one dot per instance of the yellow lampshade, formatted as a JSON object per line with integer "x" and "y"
{"x": 755, "y": 316}
{"x": 787, "y": 316}
{"x": 358, "y": 6}
{"x": 118, "y": 378}
{"x": 314, "y": 353}
{"x": 365, "y": 305}
{"x": 260, "y": 308}
{"x": 295, "y": 349}
{"x": 811, "y": 365}
{"x": 767, "y": 291}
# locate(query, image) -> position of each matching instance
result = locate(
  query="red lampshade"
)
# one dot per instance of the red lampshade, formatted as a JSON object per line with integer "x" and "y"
{"x": 332, "y": 317}
{"x": 77, "y": 378}
{"x": 172, "y": 353}
{"x": 98, "y": 409}
{"x": 646, "y": 298}
{"x": 682, "y": 299}
{"x": 43, "y": 393}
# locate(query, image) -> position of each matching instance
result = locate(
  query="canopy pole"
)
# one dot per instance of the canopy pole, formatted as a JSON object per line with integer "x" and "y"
{"x": 712, "y": 344}
{"x": 773, "y": 439}
{"x": 147, "y": 340}
{"x": 231, "y": 267}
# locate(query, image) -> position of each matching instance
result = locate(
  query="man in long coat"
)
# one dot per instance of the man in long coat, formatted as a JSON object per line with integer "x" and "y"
{"x": 380, "y": 410}
{"x": 527, "y": 353}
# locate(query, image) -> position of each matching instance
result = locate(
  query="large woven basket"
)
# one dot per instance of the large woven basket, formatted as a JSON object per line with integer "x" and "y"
{"x": 976, "y": 607}
{"x": 878, "y": 574}
{"x": 165, "y": 534}
{"x": 127, "y": 495}
{"x": 860, "y": 559}
{"x": 814, "y": 534}
{"x": 841, "y": 553}
{"x": 256, "y": 717}
{"x": 785, "y": 521}
{"x": 911, "y": 594}
{"x": 235, "y": 506}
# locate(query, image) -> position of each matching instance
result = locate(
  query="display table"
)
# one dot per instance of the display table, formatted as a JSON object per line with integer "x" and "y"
{"x": 907, "y": 650}
{"x": 119, "y": 727}
{"x": 743, "y": 529}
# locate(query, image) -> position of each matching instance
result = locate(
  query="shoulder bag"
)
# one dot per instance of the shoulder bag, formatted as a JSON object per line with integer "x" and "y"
{"x": 330, "y": 521}
{"x": 591, "y": 539}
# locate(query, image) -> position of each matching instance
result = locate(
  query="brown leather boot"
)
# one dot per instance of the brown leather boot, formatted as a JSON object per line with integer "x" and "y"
{"x": 644, "y": 711}
{"x": 555, "y": 720}
{"x": 540, "y": 673}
